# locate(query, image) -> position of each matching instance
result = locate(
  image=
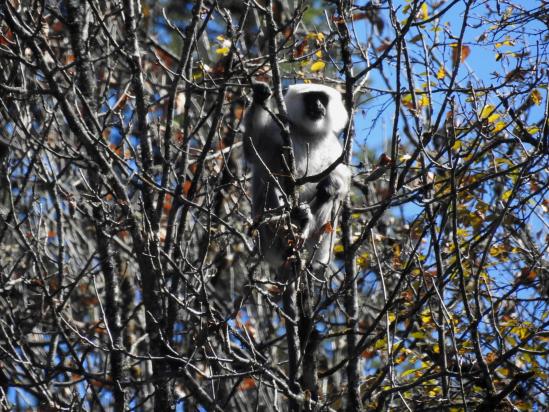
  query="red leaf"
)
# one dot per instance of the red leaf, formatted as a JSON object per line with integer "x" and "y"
{"x": 247, "y": 383}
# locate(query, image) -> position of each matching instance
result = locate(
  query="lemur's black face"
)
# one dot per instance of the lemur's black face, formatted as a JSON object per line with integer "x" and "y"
{"x": 315, "y": 105}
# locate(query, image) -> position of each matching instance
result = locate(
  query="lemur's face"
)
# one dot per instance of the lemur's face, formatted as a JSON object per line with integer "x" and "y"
{"x": 315, "y": 104}
{"x": 315, "y": 110}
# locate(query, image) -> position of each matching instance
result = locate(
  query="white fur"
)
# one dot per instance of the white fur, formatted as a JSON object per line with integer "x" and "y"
{"x": 336, "y": 115}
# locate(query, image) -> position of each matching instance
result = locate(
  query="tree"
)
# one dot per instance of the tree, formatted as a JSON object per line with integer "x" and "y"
{"x": 130, "y": 276}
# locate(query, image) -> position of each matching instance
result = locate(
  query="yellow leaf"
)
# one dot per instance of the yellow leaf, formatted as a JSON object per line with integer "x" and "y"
{"x": 441, "y": 73}
{"x": 362, "y": 260}
{"x": 462, "y": 232}
{"x": 505, "y": 43}
{"x": 223, "y": 51}
{"x": 317, "y": 66}
{"x": 493, "y": 117}
{"x": 536, "y": 97}
{"x": 467, "y": 345}
{"x": 457, "y": 145}
{"x": 418, "y": 335}
{"x": 407, "y": 101}
{"x": 338, "y": 248}
{"x": 499, "y": 161}
{"x": 408, "y": 372}
{"x": 392, "y": 317}
{"x": 499, "y": 126}
{"x": 487, "y": 111}
{"x": 424, "y": 100}
{"x": 532, "y": 129}
{"x": 315, "y": 36}
{"x": 318, "y": 53}
{"x": 426, "y": 317}
{"x": 506, "y": 195}
{"x": 380, "y": 344}
{"x": 424, "y": 11}
{"x": 521, "y": 331}
{"x": 399, "y": 359}
{"x": 496, "y": 250}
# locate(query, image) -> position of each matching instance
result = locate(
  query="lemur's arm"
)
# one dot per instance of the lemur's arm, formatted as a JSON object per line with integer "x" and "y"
{"x": 258, "y": 125}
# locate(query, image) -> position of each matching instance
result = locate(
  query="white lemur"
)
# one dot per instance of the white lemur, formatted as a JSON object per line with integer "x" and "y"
{"x": 316, "y": 115}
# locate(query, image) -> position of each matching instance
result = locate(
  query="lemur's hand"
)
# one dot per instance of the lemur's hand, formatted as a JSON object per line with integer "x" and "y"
{"x": 302, "y": 217}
